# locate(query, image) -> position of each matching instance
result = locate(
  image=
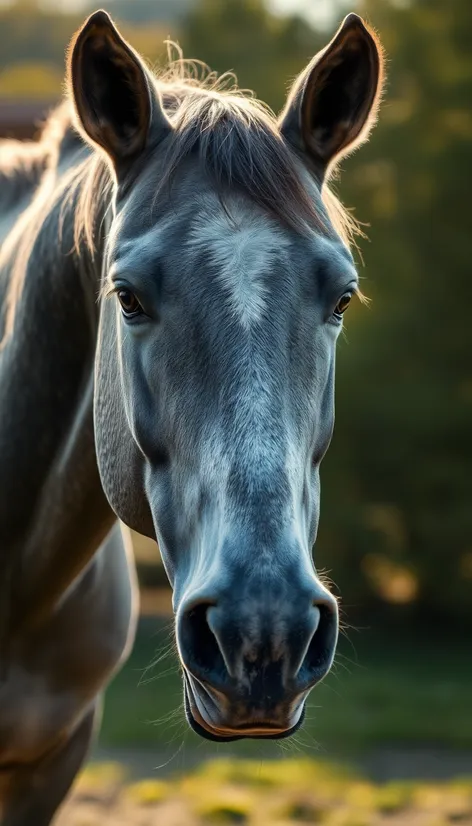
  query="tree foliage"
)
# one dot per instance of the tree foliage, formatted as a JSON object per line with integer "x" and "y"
{"x": 399, "y": 472}
{"x": 266, "y": 52}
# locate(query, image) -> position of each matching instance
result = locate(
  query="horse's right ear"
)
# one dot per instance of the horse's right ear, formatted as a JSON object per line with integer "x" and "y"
{"x": 113, "y": 95}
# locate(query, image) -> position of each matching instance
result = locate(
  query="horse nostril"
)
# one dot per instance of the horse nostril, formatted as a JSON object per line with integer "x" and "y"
{"x": 213, "y": 645}
{"x": 319, "y": 656}
{"x": 198, "y": 646}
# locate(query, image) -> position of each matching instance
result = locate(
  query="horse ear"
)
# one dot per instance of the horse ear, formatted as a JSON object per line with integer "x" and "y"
{"x": 333, "y": 104}
{"x": 112, "y": 93}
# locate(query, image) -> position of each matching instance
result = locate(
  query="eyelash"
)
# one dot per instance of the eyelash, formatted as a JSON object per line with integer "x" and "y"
{"x": 108, "y": 289}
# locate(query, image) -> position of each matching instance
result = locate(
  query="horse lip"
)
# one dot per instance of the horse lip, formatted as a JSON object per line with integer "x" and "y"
{"x": 200, "y": 726}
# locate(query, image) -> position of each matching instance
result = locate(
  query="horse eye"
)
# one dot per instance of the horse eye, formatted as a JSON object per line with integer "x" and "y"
{"x": 343, "y": 304}
{"x": 129, "y": 303}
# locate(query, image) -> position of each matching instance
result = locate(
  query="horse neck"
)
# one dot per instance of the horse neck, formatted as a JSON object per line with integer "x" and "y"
{"x": 55, "y": 514}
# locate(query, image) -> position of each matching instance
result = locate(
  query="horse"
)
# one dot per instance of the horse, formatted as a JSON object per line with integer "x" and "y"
{"x": 174, "y": 272}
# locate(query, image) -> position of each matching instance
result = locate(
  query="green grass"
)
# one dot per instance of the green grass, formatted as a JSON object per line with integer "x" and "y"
{"x": 396, "y": 690}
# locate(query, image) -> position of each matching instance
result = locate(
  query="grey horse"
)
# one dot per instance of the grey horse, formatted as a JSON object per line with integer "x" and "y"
{"x": 174, "y": 272}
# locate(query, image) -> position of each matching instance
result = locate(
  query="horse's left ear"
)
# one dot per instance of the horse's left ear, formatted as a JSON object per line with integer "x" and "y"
{"x": 112, "y": 91}
{"x": 333, "y": 104}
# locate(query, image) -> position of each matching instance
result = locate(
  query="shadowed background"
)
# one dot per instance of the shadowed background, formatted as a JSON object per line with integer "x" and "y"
{"x": 395, "y": 534}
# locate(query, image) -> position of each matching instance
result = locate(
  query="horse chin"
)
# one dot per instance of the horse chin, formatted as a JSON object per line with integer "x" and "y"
{"x": 201, "y": 727}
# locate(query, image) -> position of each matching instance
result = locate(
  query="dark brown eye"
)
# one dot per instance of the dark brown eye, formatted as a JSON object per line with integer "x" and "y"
{"x": 343, "y": 304}
{"x": 129, "y": 303}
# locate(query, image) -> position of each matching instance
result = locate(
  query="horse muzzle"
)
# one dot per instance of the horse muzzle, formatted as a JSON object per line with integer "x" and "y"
{"x": 249, "y": 665}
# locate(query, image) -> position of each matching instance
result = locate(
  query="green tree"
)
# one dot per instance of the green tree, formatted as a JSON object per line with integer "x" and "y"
{"x": 398, "y": 491}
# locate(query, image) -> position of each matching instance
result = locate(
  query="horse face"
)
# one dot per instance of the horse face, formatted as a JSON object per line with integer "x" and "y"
{"x": 215, "y": 363}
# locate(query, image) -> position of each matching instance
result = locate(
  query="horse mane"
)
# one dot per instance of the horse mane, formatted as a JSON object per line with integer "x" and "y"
{"x": 238, "y": 143}
{"x": 23, "y": 164}
{"x": 32, "y": 168}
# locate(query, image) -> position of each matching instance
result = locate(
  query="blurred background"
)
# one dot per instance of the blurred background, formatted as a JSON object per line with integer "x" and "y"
{"x": 396, "y": 527}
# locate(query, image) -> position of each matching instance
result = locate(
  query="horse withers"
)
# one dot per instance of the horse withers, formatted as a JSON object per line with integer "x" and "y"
{"x": 174, "y": 272}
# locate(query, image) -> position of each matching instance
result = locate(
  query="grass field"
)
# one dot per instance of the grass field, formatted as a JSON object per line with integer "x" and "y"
{"x": 398, "y": 690}
{"x": 285, "y": 793}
